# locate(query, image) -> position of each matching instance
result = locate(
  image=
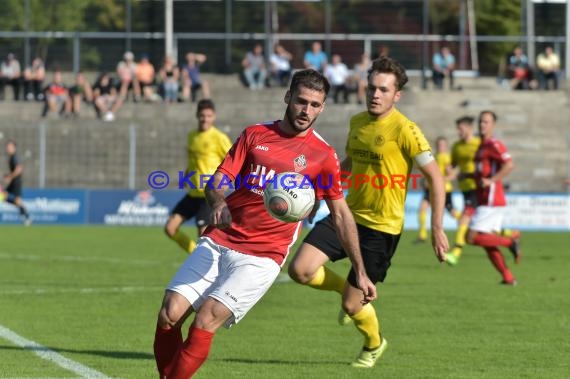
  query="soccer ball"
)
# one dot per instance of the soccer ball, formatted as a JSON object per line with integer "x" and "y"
{"x": 289, "y": 197}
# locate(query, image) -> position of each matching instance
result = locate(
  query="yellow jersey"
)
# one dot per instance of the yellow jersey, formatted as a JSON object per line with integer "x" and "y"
{"x": 463, "y": 156}
{"x": 206, "y": 150}
{"x": 382, "y": 151}
{"x": 443, "y": 161}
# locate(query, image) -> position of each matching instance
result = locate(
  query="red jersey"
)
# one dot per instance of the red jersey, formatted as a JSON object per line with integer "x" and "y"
{"x": 261, "y": 151}
{"x": 490, "y": 157}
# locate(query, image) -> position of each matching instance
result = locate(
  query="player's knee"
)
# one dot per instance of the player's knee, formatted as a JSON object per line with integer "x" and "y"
{"x": 350, "y": 307}
{"x": 167, "y": 317}
{"x": 169, "y": 230}
{"x": 298, "y": 274}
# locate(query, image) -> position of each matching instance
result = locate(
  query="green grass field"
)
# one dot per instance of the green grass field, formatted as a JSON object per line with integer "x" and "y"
{"x": 92, "y": 295}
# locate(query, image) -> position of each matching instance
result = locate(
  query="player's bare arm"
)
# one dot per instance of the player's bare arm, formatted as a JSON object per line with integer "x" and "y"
{"x": 220, "y": 215}
{"x": 437, "y": 200}
{"x": 348, "y": 236}
{"x": 500, "y": 175}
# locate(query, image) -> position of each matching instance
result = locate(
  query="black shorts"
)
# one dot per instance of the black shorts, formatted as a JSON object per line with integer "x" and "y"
{"x": 448, "y": 202}
{"x": 470, "y": 199}
{"x": 377, "y": 248}
{"x": 14, "y": 189}
{"x": 196, "y": 207}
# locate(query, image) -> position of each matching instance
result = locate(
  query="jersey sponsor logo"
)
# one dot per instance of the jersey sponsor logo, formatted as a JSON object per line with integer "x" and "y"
{"x": 300, "y": 163}
{"x": 262, "y": 148}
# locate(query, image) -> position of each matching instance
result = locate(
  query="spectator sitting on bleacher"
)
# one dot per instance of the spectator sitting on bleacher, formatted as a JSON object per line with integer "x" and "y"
{"x": 57, "y": 99}
{"x": 34, "y": 77}
{"x": 126, "y": 71}
{"x": 10, "y": 73}
{"x": 254, "y": 68}
{"x": 518, "y": 69}
{"x": 145, "y": 76}
{"x": 107, "y": 101}
{"x": 443, "y": 66}
{"x": 280, "y": 61}
{"x": 81, "y": 91}
{"x": 337, "y": 73}
{"x": 169, "y": 76}
{"x": 548, "y": 64}
{"x": 192, "y": 82}
{"x": 315, "y": 58}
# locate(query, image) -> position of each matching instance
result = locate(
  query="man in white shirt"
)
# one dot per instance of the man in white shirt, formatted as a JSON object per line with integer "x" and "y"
{"x": 548, "y": 64}
{"x": 337, "y": 73}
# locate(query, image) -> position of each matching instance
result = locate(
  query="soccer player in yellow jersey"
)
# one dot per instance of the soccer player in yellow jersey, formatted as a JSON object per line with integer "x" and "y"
{"x": 443, "y": 159}
{"x": 382, "y": 146}
{"x": 463, "y": 160}
{"x": 207, "y": 147}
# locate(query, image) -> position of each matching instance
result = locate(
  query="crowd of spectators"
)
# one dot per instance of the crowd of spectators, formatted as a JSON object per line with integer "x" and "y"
{"x": 133, "y": 80}
{"x": 138, "y": 81}
{"x": 518, "y": 74}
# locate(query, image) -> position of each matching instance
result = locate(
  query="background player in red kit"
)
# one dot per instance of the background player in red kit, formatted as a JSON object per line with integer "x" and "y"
{"x": 493, "y": 163}
{"x": 241, "y": 253}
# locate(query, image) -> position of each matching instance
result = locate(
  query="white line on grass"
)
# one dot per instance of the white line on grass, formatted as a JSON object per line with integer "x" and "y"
{"x": 84, "y": 291}
{"x": 50, "y": 355}
{"x": 72, "y": 258}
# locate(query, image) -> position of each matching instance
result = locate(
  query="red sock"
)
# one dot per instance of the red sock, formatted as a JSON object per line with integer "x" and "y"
{"x": 491, "y": 240}
{"x": 167, "y": 342}
{"x": 498, "y": 261}
{"x": 193, "y": 353}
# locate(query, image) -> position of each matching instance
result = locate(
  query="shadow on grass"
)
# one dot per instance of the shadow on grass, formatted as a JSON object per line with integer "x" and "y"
{"x": 102, "y": 353}
{"x": 278, "y": 361}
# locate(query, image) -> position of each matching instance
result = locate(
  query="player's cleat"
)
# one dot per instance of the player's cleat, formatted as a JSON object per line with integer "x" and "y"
{"x": 515, "y": 249}
{"x": 451, "y": 259}
{"x": 420, "y": 240}
{"x": 509, "y": 282}
{"x": 343, "y": 318}
{"x": 367, "y": 359}
{"x": 28, "y": 222}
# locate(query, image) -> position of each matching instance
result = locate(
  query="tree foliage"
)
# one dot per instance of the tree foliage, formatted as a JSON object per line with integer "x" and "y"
{"x": 496, "y": 18}
{"x": 351, "y": 16}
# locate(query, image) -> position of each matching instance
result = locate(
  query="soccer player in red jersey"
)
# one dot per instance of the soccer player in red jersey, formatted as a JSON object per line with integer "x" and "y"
{"x": 241, "y": 253}
{"x": 493, "y": 163}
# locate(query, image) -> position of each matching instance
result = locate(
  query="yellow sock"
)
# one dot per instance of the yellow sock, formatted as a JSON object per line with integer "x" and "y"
{"x": 327, "y": 280}
{"x": 184, "y": 241}
{"x": 506, "y": 233}
{"x": 422, "y": 216}
{"x": 457, "y": 250}
{"x": 460, "y": 234}
{"x": 367, "y": 324}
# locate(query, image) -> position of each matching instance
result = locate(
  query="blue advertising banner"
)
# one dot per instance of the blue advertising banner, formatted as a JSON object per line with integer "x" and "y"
{"x": 48, "y": 206}
{"x": 525, "y": 211}
{"x": 127, "y": 207}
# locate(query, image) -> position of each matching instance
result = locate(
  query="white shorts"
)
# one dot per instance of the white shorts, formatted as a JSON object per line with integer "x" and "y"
{"x": 235, "y": 279}
{"x": 487, "y": 219}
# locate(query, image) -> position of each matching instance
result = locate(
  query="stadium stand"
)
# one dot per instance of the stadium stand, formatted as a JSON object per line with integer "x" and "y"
{"x": 86, "y": 152}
